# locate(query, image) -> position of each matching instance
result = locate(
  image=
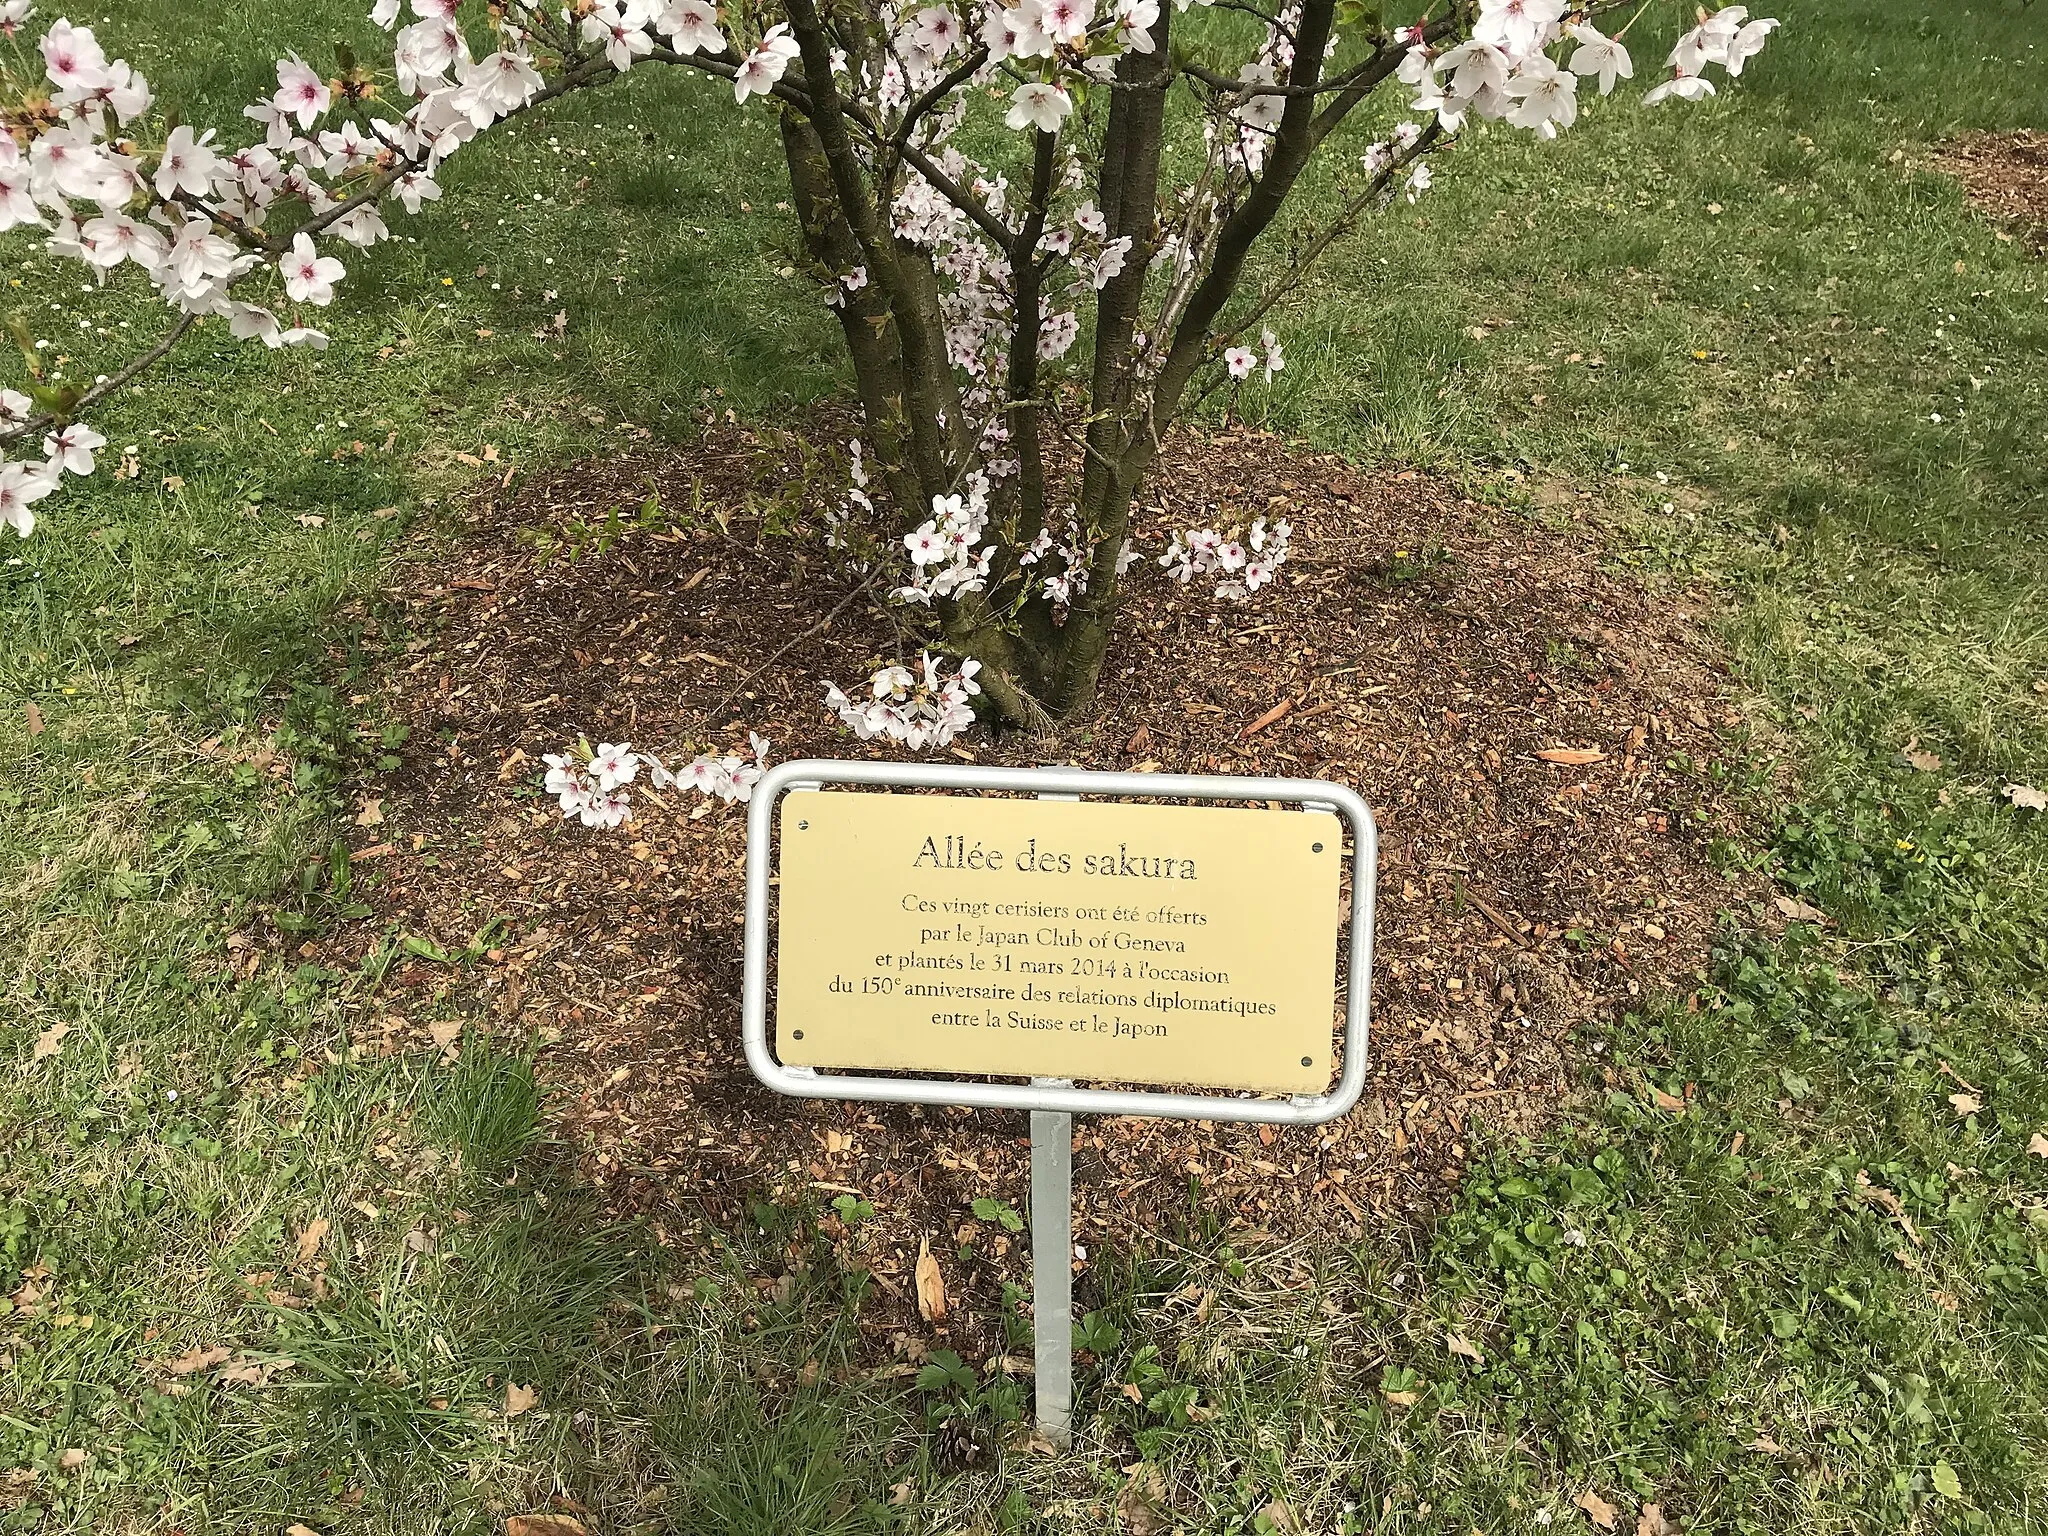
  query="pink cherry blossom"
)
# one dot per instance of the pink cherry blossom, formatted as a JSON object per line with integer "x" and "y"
{"x": 73, "y": 59}
{"x": 300, "y": 92}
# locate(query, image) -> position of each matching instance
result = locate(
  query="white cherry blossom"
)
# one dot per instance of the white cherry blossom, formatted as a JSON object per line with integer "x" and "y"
{"x": 1680, "y": 87}
{"x": 1066, "y": 21}
{"x": 622, "y": 43}
{"x": 1546, "y": 97}
{"x": 1039, "y": 105}
{"x": 1746, "y": 44}
{"x": 691, "y": 25}
{"x": 309, "y": 277}
{"x": 766, "y": 64}
{"x": 73, "y": 59}
{"x": 21, "y": 487}
{"x": 72, "y": 448}
{"x": 187, "y": 166}
{"x": 1598, "y": 54}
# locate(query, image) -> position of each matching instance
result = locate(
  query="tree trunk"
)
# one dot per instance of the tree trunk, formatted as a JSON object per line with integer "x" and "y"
{"x": 1040, "y": 664}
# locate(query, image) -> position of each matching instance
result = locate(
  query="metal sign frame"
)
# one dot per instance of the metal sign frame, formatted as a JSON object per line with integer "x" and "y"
{"x": 1046, "y": 1094}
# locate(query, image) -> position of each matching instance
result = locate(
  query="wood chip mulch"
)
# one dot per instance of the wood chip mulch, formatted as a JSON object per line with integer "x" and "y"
{"x": 2005, "y": 175}
{"x": 1425, "y": 648}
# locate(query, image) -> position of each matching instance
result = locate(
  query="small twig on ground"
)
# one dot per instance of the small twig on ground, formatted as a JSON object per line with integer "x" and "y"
{"x": 711, "y": 715}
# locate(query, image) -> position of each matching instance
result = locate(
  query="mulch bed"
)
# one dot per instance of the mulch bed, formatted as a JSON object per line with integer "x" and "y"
{"x": 2005, "y": 175}
{"x": 1430, "y": 645}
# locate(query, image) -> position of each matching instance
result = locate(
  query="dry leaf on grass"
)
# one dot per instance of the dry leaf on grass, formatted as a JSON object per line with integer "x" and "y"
{"x": 1964, "y": 1104}
{"x": 931, "y": 1285}
{"x": 297, "y": 1529}
{"x": 544, "y": 1525}
{"x": 1597, "y": 1509}
{"x": 1402, "y": 1399}
{"x": 1653, "y": 1522}
{"x": 312, "y": 1237}
{"x": 1138, "y": 1506}
{"x": 35, "y": 721}
{"x": 1458, "y": 1344}
{"x": 1920, "y": 762}
{"x": 72, "y": 1460}
{"x": 518, "y": 1399}
{"x": 372, "y": 813}
{"x": 248, "y": 1372}
{"x": 1667, "y": 1101}
{"x": 1572, "y": 757}
{"x": 48, "y": 1043}
{"x": 198, "y": 1360}
{"x": 1886, "y": 1201}
{"x": 1281, "y": 1518}
{"x": 1799, "y": 911}
{"x": 2026, "y": 797}
{"x": 2038, "y": 1144}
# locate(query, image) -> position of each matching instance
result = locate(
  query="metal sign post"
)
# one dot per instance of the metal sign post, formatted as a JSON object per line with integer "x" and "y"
{"x": 1052, "y": 1271}
{"x": 1087, "y": 931}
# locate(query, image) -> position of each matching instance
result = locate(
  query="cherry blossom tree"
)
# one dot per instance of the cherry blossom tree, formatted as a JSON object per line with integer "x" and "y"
{"x": 1046, "y": 229}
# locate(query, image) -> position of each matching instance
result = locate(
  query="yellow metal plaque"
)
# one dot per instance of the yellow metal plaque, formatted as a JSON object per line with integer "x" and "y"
{"x": 1182, "y": 944}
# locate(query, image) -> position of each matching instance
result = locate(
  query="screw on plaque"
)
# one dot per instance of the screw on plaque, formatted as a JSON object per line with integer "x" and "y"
{"x": 1306, "y": 1061}
{"x": 1317, "y": 848}
{"x": 797, "y": 1034}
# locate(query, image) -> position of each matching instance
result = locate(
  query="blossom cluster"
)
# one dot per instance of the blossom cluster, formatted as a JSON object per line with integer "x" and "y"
{"x": 978, "y": 299}
{"x": 1242, "y": 360}
{"x": 1505, "y": 71}
{"x": 727, "y": 776}
{"x": 195, "y": 214}
{"x": 855, "y": 506}
{"x": 191, "y": 214}
{"x": 944, "y": 561}
{"x": 24, "y": 482}
{"x": 1238, "y": 568}
{"x": 592, "y": 785}
{"x": 921, "y": 709}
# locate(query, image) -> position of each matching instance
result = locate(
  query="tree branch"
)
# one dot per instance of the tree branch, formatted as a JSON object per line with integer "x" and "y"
{"x": 962, "y": 72}
{"x": 107, "y": 386}
{"x": 960, "y": 197}
{"x": 1284, "y": 284}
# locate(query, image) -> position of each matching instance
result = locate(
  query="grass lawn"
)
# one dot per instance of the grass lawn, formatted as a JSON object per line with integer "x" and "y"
{"x": 1768, "y": 334}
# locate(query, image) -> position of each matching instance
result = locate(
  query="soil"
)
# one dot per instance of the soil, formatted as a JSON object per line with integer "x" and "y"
{"x": 1427, "y": 647}
{"x": 2005, "y": 175}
